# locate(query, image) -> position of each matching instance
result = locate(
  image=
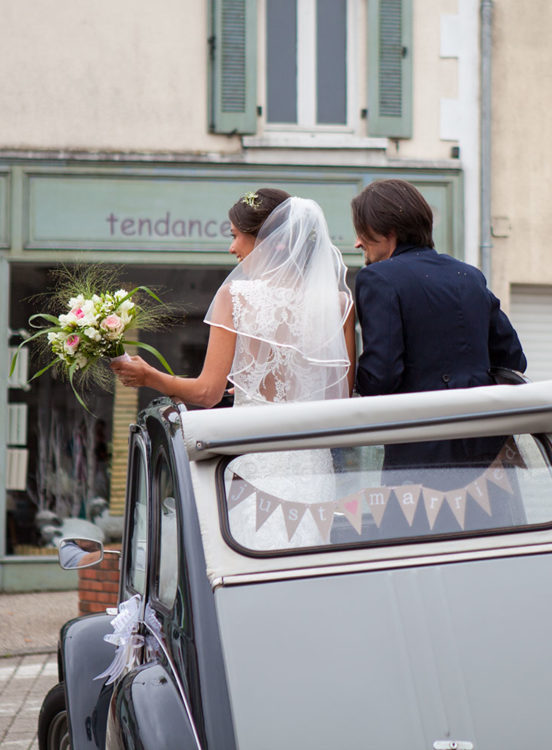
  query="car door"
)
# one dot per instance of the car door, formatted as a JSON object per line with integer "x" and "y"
{"x": 149, "y": 707}
{"x": 181, "y": 599}
{"x": 433, "y": 634}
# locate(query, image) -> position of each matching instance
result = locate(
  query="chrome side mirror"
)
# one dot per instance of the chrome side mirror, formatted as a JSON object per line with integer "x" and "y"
{"x": 79, "y": 553}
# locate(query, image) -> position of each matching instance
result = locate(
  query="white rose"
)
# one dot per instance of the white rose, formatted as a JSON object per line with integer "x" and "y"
{"x": 70, "y": 319}
{"x": 93, "y": 334}
{"x": 113, "y": 326}
{"x": 126, "y": 306}
{"x": 81, "y": 360}
{"x": 75, "y": 301}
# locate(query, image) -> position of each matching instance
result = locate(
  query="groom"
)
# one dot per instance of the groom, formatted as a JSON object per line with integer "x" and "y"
{"x": 428, "y": 321}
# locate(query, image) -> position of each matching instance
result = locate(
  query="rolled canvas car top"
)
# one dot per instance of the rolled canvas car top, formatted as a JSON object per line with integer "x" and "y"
{"x": 446, "y": 414}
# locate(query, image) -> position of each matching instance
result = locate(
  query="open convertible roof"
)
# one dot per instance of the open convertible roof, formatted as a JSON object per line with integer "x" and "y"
{"x": 405, "y": 417}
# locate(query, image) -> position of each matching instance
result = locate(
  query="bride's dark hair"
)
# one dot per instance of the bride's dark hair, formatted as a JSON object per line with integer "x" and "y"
{"x": 253, "y": 209}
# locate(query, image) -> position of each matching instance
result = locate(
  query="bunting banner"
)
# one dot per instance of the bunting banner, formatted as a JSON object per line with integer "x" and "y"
{"x": 351, "y": 507}
{"x": 496, "y": 473}
{"x": 457, "y": 502}
{"x": 433, "y": 499}
{"x": 266, "y": 505}
{"x": 323, "y": 514}
{"x": 376, "y": 499}
{"x": 408, "y": 496}
{"x": 240, "y": 489}
{"x": 511, "y": 455}
{"x": 293, "y": 515}
{"x": 478, "y": 490}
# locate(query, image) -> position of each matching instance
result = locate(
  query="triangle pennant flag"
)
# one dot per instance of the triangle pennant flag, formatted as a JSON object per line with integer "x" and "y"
{"x": 497, "y": 473}
{"x": 266, "y": 505}
{"x": 457, "y": 501}
{"x": 351, "y": 507}
{"x": 510, "y": 454}
{"x": 293, "y": 514}
{"x": 408, "y": 496}
{"x": 433, "y": 499}
{"x": 478, "y": 490}
{"x": 240, "y": 489}
{"x": 323, "y": 514}
{"x": 376, "y": 499}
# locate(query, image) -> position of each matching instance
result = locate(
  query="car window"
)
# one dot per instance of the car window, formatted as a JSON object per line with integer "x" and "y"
{"x": 378, "y": 494}
{"x": 137, "y": 547}
{"x": 165, "y": 504}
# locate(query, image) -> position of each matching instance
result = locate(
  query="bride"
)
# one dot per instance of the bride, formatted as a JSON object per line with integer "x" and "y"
{"x": 282, "y": 329}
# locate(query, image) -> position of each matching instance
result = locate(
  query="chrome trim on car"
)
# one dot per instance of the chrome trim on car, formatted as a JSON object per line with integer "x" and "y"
{"x": 384, "y": 564}
{"x": 181, "y": 690}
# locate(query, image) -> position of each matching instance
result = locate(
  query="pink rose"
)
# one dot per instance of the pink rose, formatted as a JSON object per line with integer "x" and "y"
{"x": 113, "y": 326}
{"x": 77, "y": 312}
{"x": 71, "y": 344}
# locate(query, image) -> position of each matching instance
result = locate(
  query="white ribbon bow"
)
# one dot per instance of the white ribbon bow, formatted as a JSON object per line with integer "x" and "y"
{"x": 125, "y": 636}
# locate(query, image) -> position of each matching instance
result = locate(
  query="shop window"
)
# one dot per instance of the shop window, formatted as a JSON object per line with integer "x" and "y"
{"x": 61, "y": 468}
{"x": 58, "y": 455}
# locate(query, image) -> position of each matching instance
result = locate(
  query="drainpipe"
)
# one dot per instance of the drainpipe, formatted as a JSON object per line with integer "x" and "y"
{"x": 485, "y": 157}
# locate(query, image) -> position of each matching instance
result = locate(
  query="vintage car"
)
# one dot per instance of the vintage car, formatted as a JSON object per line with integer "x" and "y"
{"x": 285, "y": 584}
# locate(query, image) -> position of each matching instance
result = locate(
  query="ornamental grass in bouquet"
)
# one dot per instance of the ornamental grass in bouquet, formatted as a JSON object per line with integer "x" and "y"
{"x": 93, "y": 328}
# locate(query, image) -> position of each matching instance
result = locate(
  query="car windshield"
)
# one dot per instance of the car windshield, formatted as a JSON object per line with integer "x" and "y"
{"x": 298, "y": 500}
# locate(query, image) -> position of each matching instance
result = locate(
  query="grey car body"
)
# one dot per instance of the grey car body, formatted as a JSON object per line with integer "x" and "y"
{"x": 434, "y": 636}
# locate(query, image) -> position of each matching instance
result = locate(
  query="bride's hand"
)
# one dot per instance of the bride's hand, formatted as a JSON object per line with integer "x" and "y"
{"x": 131, "y": 372}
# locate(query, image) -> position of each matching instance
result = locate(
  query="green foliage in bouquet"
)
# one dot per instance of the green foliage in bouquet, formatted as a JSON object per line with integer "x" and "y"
{"x": 93, "y": 329}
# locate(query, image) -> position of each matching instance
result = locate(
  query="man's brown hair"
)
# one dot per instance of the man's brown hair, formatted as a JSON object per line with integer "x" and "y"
{"x": 386, "y": 206}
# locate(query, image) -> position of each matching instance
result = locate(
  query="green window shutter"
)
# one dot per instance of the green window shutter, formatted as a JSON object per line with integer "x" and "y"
{"x": 390, "y": 68}
{"x": 233, "y": 61}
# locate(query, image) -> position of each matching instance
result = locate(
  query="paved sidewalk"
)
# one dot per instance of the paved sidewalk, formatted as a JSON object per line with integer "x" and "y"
{"x": 31, "y": 622}
{"x": 24, "y": 681}
{"x": 29, "y": 629}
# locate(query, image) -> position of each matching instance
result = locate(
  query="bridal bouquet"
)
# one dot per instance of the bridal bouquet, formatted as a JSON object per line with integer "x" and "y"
{"x": 93, "y": 326}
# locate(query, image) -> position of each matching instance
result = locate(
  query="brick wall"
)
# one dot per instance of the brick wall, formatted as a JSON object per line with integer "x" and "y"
{"x": 125, "y": 409}
{"x": 99, "y": 585}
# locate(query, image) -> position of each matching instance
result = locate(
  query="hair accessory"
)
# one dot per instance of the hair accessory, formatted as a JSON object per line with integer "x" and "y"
{"x": 251, "y": 199}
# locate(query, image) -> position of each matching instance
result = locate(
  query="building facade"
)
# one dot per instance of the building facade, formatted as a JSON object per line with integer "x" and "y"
{"x": 127, "y": 132}
{"x": 522, "y": 173}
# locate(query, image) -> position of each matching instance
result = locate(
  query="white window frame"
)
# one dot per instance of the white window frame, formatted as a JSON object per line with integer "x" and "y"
{"x": 306, "y": 65}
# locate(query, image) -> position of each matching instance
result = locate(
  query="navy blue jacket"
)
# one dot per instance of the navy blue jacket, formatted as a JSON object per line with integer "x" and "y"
{"x": 429, "y": 322}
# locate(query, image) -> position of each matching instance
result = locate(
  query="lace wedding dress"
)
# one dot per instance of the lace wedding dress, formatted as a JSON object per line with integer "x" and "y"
{"x": 287, "y": 301}
{"x": 304, "y": 476}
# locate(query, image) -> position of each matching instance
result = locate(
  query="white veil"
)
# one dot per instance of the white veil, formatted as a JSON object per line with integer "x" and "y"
{"x": 287, "y": 301}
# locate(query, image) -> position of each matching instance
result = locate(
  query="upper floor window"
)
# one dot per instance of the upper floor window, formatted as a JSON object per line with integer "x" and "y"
{"x": 307, "y": 45}
{"x": 321, "y": 63}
